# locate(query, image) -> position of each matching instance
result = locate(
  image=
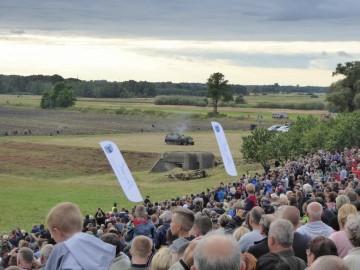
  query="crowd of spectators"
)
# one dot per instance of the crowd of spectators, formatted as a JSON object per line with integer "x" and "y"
{"x": 302, "y": 214}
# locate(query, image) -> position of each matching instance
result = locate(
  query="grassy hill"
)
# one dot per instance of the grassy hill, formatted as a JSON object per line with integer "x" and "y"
{"x": 37, "y": 171}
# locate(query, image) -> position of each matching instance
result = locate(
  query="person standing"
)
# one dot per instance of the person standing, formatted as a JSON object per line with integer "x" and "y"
{"x": 74, "y": 249}
{"x": 315, "y": 227}
{"x": 280, "y": 240}
{"x": 140, "y": 251}
{"x": 181, "y": 224}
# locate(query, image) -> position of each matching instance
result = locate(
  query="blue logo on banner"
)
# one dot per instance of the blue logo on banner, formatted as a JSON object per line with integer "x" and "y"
{"x": 109, "y": 149}
{"x": 217, "y": 128}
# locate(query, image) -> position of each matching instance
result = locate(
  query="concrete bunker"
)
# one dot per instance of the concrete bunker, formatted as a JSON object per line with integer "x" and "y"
{"x": 195, "y": 160}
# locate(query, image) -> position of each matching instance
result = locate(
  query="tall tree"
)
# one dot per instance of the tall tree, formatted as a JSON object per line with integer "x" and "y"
{"x": 218, "y": 89}
{"x": 60, "y": 96}
{"x": 344, "y": 95}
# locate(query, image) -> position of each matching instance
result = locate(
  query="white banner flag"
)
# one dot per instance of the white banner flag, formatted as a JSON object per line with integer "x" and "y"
{"x": 224, "y": 149}
{"x": 121, "y": 171}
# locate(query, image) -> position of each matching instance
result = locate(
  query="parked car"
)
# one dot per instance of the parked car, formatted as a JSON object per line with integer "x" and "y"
{"x": 280, "y": 115}
{"x": 283, "y": 129}
{"x": 273, "y": 128}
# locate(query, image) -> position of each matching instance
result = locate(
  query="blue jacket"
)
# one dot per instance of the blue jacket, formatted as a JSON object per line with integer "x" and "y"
{"x": 147, "y": 229}
{"x": 160, "y": 236}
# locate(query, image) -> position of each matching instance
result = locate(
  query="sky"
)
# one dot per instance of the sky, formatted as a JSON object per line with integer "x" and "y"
{"x": 289, "y": 42}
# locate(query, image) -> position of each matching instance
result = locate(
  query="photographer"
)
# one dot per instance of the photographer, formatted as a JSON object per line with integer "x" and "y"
{"x": 100, "y": 217}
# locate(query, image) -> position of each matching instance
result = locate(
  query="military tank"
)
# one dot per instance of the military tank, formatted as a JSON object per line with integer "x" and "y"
{"x": 178, "y": 139}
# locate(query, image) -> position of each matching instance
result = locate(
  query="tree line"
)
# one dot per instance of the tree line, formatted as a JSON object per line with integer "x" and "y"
{"x": 39, "y": 84}
{"x": 342, "y": 96}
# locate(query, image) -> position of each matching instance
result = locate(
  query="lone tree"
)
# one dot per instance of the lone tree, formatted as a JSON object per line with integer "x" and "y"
{"x": 218, "y": 89}
{"x": 257, "y": 147}
{"x": 59, "y": 97}
{"x": 344, "y": 95}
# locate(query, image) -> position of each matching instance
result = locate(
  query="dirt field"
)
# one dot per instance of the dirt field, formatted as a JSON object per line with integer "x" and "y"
{"x": 31, "y": 155}
{"x": 52, "y": 122}
{"x": 54, "y": 161}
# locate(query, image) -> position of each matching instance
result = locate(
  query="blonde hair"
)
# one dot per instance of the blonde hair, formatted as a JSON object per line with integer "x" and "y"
{"x": 344, "y": 212}
{"x": 154, "y": 218}
{"x": 283, "y": 200}
{"x": 239, "y": 232}
{"x": 250, "y": 188}
{"x": 140, "y": 211}
{"x": 23, "y": 243}
{"x": 141, "y": 246}
{"x": 66, "y": 217}
{"x": 162, "y": 260}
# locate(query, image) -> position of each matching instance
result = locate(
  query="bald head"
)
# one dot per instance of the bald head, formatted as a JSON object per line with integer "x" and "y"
{"x": 314, "y": 211}
{"x": 217, "y": 251}
{"x": 212, "y": 243}
{"x": 292, "y": 214}
{"x": 328, "y": 262}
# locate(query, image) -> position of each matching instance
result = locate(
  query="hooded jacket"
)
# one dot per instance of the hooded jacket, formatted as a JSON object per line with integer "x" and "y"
{"x": 81, "y": 251}
{"x": 142, "y": 227}
{"x": 315, "y": 228}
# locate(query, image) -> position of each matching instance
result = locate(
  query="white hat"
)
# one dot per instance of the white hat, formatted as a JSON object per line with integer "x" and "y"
{"x": 274, "y": 196}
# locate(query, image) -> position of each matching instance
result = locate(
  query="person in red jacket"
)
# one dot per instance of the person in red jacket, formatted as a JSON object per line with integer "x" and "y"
{"x": 356, "y": 171}
{"x": 251, "y": 200}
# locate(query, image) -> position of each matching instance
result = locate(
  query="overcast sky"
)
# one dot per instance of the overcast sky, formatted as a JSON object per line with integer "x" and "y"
{"x": 251, "y": 42}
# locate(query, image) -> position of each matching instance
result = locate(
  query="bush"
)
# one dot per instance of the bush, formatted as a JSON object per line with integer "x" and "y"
{"x": 240, "y": 99}
{"x": 121, "y": 110}
{"x": 181, "y": 100}
{"x": 59, "y": 97}
{"x": 212, "y": 114}
{"x": 293, "y": 106}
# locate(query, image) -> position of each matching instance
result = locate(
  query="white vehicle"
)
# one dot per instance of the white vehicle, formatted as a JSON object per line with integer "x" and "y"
{"x": 280, "y": 115}
{"x": 273, "y": 128}
{"x": 283, "y": 129}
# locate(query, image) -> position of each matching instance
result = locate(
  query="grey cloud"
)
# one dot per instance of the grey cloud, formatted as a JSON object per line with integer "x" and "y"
{"x": 263, "y": 60}
{"x": 344, "y": 54}
{"x": 187, "y": 19}
{"x": 315, "y": 10}
{"x": 17, "y": 31}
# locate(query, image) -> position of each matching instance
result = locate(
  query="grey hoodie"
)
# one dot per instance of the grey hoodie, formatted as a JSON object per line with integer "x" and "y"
{"x": 81, "y": 251}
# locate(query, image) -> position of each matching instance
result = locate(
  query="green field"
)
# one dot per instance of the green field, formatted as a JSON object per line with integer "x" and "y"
{"x": 40, "y": 171}
{"x": 110, "y": 105}
{"x": 36, "y": 172}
